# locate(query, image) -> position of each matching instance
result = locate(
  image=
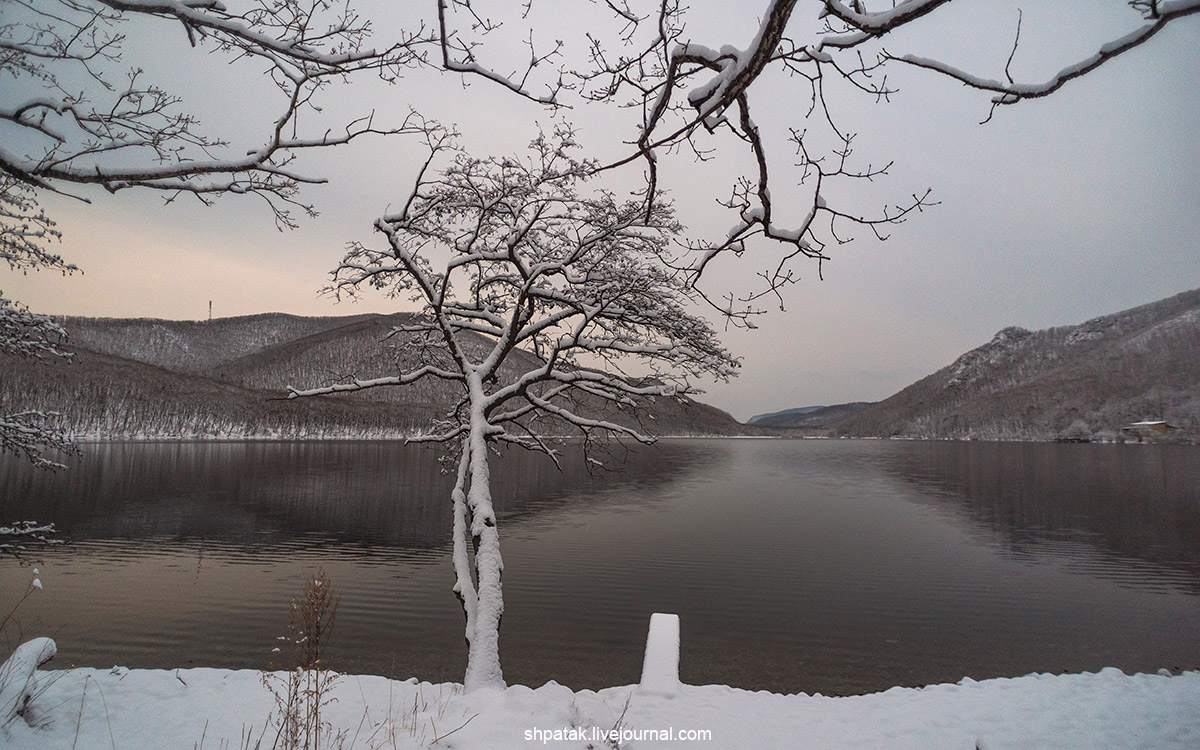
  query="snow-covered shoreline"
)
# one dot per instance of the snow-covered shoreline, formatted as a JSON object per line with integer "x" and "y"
{"x": 400, "y": 437}
{"x": 212, "y": 708}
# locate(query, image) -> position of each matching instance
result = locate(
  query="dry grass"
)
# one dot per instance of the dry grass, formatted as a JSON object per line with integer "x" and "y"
{"x": 303, "y": 690}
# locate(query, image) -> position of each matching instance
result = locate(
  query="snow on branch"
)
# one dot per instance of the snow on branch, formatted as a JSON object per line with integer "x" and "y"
{"x": 855, "y": 16}
{"x": 361, "y": 385}
{"x": 25, "y": 230}
{"x": 31, "y": 435}
{"x": 1159, "y": 14}
{"x": 19, "y": 537}
{"x": 459, "y": 55}
{"x": 27, "y": 334}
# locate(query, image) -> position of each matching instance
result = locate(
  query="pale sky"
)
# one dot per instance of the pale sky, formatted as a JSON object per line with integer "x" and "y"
{"x": 1058, "y": 210}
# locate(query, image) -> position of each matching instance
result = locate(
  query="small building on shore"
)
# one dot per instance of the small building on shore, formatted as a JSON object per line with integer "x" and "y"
{"x": 1148, "y": 429}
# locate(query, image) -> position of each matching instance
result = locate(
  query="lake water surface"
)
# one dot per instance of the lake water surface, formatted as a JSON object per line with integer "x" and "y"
{"x": 837, "y": 567}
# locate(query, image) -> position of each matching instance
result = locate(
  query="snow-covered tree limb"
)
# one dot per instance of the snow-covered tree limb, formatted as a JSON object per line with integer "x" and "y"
{"x": 458, "y": 56}
{"x": 26, "y": 230}
{"x": 31, "y": 434}
{"x": 27, "y": 334}
{"x": 18, "y": 538}
{"x": 1157, "y": 14}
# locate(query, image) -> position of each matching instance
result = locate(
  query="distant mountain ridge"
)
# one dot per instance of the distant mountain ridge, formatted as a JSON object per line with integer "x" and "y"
{"x": 786, "y": 412}
{"x": 809, "y": 417}
{"x": 152, "y": 378}
{"x": 1079, "y": 382}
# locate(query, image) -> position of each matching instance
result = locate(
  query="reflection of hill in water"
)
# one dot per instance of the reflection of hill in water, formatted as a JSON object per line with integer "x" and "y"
{"x": 1139, "y": 503}
{"x": 361, "y": 494}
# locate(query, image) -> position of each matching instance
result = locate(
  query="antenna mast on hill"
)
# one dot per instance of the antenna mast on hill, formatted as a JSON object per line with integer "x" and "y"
{"x": 210, "y": 311}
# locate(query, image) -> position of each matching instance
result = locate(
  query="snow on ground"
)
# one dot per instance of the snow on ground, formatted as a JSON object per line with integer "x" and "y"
{"x": 219, "y": 709}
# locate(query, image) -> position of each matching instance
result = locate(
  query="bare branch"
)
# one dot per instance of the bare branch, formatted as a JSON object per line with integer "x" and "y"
{"x": 451, "y": 45}
{"x": 1011, "y": 93}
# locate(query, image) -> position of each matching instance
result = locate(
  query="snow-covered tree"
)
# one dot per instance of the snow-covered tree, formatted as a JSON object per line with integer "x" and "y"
{"x": 24, "y": 233}
{"x": 507, "y": 255}
{"x": 686, "y": 92}
{"x": 76, "y": 109}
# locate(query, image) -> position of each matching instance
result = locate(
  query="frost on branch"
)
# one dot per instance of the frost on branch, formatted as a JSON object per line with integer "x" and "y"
{"x": 549, "y": 306}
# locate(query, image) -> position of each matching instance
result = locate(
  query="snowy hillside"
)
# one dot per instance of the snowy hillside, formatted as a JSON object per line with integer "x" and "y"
{"x": 148, "y": 378}
{"x": 1075, "y": 382}
{"x": 194, "y": 346}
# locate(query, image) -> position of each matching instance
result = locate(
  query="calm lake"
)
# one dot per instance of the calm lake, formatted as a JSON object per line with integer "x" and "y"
{"x": 838, "y": 567}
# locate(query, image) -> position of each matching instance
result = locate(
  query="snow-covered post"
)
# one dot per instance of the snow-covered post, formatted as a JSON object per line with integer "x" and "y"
{"x": 660, "y": 666}
{"x": 533, "y": 298}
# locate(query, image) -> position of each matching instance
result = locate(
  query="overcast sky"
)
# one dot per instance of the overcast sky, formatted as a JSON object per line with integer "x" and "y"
{"x": 1058, "y": 210}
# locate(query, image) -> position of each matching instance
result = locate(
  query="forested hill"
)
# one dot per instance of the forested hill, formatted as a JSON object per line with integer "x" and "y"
{"x": 149, "y": 378}
{"x": 1077, "y": 382}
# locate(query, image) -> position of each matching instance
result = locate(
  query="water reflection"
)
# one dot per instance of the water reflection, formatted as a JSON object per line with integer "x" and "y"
{"x": 1128, "y": 503}
{"x": 365, "y": 493}
{"x": 823, "y": 566}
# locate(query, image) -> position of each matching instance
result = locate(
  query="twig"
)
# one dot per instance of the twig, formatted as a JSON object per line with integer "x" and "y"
{"x": 437, "y": 739}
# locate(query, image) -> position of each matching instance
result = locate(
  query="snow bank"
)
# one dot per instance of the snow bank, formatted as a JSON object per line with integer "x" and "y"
{"x": 210, "y": 708}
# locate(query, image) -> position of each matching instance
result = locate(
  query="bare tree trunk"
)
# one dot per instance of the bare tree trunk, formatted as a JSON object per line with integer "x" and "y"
{"x": 464, "y": 584}
{"x": 483, "y": 657}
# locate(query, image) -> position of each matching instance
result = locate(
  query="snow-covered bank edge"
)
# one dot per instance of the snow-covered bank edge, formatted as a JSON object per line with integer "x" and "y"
{"x": 212, "y": 708}
{"x": 398, "y": 437}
